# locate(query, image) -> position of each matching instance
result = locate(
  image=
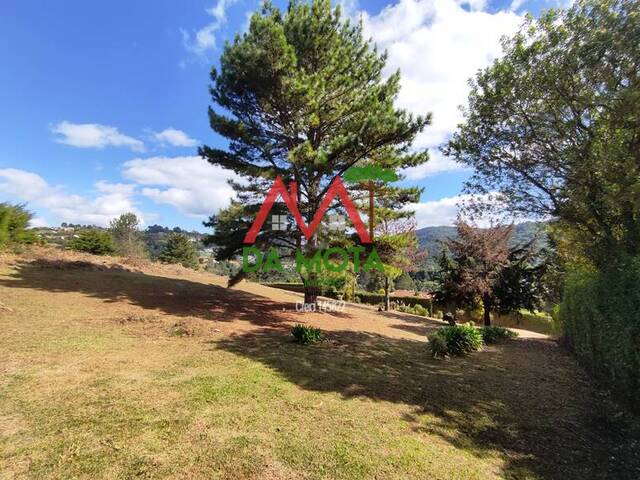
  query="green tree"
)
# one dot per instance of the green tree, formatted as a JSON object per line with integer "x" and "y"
{"x": 125, "y": 231}
{"x": 94, "y": 241}
{"x": 14, "y": 221}
{"x": 554, "y": 125}
{"x": 302, "y": 95}
{"x": 397, "y": 244}
{"x": 179, "y": 249}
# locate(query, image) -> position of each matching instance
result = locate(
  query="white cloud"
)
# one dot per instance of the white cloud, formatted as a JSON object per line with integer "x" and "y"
{"x": 112, "y": 199}
{"x": 437, "y": 212}
{"x": 190, "y": 184}
{"x": 174, "y": 137}
{"x": 437, "y": 163}
{"x": 204, "y": 39}
{"x": 349, "y": 8}
{"x": 438, "y": 45}
{"x": 445, "y": 211}
{"x": 94, "y": 135}
{"x": 38, "y": 222}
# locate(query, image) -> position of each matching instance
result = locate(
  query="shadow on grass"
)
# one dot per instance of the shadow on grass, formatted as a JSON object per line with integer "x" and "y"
{"x": 524, "y": 400}
{"x": 172, "y": 296}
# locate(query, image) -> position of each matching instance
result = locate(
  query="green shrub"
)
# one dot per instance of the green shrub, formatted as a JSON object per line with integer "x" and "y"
{"x": 363, "y": 297}
{"x": 438, "y": 345}
{"x": 420, "y": 310}
{"x": 600, "y": 321}
{"x": 455, "y": 340}
{"x": 401, "y": 307}
{"x": 306, "y": 335}
{"x": 179, "y": 249}
{"x": 93, "y": 241}
{"x": 438, "y": 314}
{"x": 14, "y": 221}
{"x": 493, "y": 334}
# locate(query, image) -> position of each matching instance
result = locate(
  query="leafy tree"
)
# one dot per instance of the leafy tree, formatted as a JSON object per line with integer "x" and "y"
{"x": 521, "y": 283}
{"x": 554, "y": 125}
{"x": 481, "y": 266}
{"x": 302, "y": 95}
{"x": 179, "y": 249}
{"x": 94, "y": 241}
{"x": 14, "y": 221}
{"x": 398, "y": 248}
{"x": 126, "y": 234}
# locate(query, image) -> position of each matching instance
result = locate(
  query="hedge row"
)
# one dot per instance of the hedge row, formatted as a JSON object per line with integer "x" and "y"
{"x": 377, "y": 298}
{"x": 364, "y": 297}
{"x": 600, "y": 320}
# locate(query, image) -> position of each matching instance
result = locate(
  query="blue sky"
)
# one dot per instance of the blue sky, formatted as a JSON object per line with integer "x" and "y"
{"x": 104, "y": 103}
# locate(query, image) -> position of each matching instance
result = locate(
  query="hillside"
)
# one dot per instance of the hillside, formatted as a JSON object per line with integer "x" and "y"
{"x": 431, "y": 238}
{"x": 155, "y": 236}
{"x": 116, "y": 369}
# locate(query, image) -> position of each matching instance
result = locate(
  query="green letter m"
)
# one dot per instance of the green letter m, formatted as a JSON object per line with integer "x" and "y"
{"x": 308, "y": 263}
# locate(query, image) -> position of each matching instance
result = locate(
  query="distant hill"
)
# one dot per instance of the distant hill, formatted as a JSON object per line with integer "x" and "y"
{"x": 431, "y": 238}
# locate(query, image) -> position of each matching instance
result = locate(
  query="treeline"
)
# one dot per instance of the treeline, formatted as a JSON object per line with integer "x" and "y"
{"x": 123, "y": 237}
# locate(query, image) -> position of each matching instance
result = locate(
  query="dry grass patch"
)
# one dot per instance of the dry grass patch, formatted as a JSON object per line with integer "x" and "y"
{"x": 93, "y": 384}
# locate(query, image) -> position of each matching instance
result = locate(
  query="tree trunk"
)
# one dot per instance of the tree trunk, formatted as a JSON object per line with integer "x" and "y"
{"x": 371, "y": 214}
{"x": 311, "y": 292}
{"x": 386, "y": 294}
{"x": 311, "y": 284}
{"x": 486, "y": 301}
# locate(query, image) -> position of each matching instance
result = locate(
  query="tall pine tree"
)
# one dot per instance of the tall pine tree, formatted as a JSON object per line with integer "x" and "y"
{"x": 302, "y": 95}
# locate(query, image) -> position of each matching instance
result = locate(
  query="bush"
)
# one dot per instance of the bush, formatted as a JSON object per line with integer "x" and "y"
{"x": 420, "y": 310}
{"x": 14, "y": 221}
{"x": 93, "y": 241}
{"x": 493, "y": 334}
{"x": 179, "y": 249}
{"x": 438, "y": 345}
{"x": 600, "y": 321}
{"x": 306, "y": 335}
{"x": 375, "y": 299}
{"x": 455, "y": 340}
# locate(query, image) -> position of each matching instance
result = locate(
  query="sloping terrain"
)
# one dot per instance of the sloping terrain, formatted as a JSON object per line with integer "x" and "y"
{"x": 114, "y": 369}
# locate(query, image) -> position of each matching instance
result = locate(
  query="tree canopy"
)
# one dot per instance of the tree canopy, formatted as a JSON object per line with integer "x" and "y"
{"x": 125, "y": 231}
{"x": 481, "y": 266}
{"x": 302, "y": 95}
{"x": 94, "y": 241}
{"x": 179, "y": 249}
{"x": 14, "y": 221}
{"x": 554, "y": 125}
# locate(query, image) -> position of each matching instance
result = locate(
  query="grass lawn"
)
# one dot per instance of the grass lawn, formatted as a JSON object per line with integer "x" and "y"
{"x": 156, "y": 372}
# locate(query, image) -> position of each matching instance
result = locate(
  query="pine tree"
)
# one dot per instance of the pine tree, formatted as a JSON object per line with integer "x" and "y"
{"x": 94, "y": 241}
{"x": 179, "y": 249}
{"x": 126, "y": 234}
{"x": 14, "y": 221}
{"x": 307, "y": 100}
